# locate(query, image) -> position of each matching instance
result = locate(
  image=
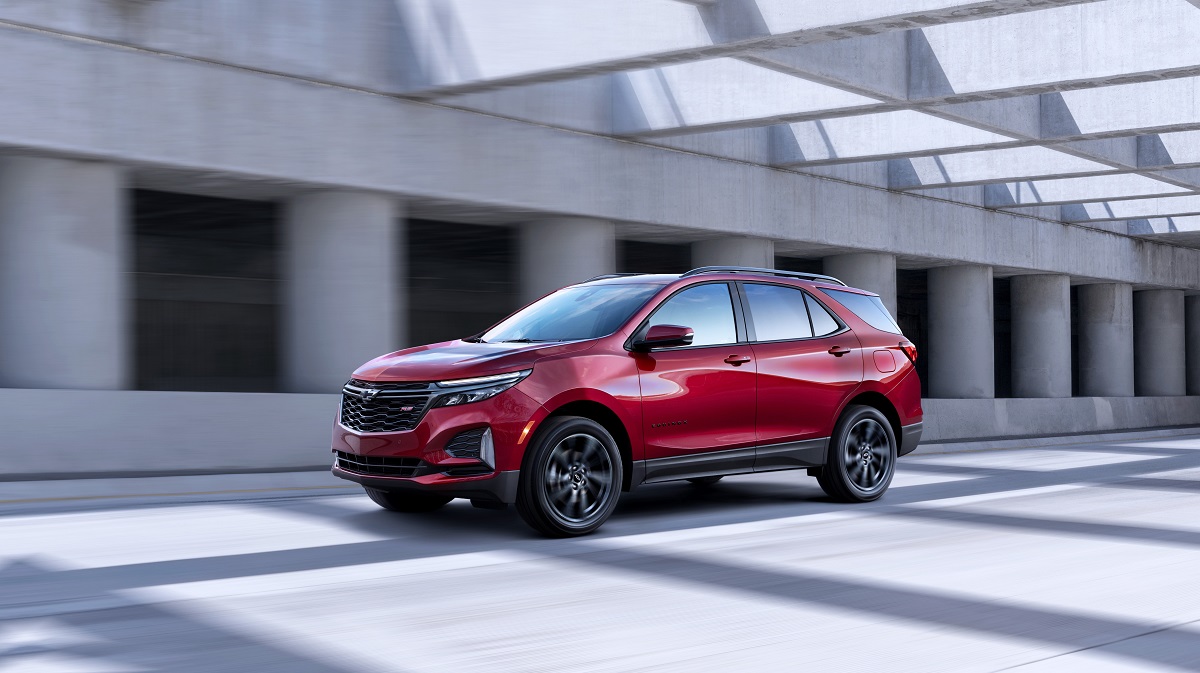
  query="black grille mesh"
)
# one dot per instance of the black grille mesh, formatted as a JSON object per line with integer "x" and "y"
{"x": 465, "y": 444}
{"x": 383, "y": 466}
{"x": 382, "y": 414}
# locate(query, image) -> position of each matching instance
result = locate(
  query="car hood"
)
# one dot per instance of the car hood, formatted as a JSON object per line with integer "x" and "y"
{"x": 461, "y": 359}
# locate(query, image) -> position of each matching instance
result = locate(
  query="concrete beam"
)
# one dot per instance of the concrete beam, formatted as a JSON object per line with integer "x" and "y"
{"x": 1173, "y": 206}
{"x": 1075, "y": 190}
{"x": 975, "y": 168}
{"x": 346, "y": 139}
{"x": 460, "y": 46}
{"x": 902, "y": 133}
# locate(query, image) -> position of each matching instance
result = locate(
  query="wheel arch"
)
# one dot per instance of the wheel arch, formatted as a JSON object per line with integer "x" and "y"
{"x": 605, "y": 416}
{"x": 880, "y": 402}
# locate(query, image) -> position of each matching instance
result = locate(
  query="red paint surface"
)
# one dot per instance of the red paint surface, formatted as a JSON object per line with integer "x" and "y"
{"x": 669, "y": 402}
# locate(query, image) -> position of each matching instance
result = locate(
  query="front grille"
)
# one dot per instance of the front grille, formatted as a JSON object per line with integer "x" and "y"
{"x": 383, "y": 407}
{"x": 383, "y": 466}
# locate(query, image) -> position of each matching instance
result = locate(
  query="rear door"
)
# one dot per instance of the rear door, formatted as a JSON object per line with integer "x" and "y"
{"x": 809, "y": 362}
{"x": 699, "y": 399}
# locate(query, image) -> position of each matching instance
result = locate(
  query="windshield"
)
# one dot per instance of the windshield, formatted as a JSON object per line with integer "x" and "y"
{"x": 573, "y": 313}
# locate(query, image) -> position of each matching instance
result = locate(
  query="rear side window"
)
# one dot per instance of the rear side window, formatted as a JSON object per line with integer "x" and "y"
{"x": 870, "y": 309}
{"x": 707, "y": 309}
{"x": 822, "y": 322}
{"x": 777, "y": 312}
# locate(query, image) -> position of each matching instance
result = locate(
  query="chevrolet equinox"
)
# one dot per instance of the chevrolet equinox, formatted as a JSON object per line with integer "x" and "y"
{"x": 631, "y": 379}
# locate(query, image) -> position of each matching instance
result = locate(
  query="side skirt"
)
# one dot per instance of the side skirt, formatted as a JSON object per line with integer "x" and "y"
{"x": 769, "y": 458}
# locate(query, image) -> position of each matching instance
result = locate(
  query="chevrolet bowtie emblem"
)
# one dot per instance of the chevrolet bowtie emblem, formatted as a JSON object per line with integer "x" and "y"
{"x": 369, "y": 394}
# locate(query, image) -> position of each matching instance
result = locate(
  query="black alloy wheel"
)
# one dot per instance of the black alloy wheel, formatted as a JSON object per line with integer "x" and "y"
{"x": 570, "y": 479}
{"x": 861, "y": 458}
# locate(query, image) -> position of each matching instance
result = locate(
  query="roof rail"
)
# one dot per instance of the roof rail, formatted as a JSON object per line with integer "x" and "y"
{"x": 769, "y": 272}
{"x": 610, "y": 275}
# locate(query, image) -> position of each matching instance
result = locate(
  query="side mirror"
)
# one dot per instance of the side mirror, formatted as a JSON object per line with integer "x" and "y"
{"x": 662, "y": 336}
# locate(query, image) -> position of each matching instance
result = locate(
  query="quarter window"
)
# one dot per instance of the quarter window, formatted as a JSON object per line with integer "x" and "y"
{"x": 777, "y": 312}
{"x": 870, "y": 309}
{"x": 823, "y": 323}
{"x": 707, "y": 309}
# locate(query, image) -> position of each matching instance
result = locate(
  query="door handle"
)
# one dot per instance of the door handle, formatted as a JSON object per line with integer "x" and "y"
{"x": 838, "y": 351}
{"x": 737, "y": 360}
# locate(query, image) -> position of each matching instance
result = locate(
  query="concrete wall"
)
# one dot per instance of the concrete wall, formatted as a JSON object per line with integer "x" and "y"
{"x": 338, "y": 137}
{"x": 83, "y": 432}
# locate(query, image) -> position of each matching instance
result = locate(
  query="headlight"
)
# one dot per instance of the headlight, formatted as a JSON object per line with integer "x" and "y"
{"x": 479, "y": 388}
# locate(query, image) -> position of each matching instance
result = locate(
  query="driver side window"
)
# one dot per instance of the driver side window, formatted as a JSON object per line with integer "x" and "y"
{"x": 707, "y": 309}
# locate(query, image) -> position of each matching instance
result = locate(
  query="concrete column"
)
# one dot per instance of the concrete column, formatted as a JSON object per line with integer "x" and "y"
{"x": 1106, "y": 340}
{"x": 961, "y": 353}
{"x": 1041, "y": 336}
{"x": 1192, "y": 336}
{"x": 344, "y": 296}
{"x": 1158, "y": 343}
{"x": 564, "y": 251}
{"x": 869, "y": 271}
{"x": 64, "y": 293}
{"x": 735, "y": 251}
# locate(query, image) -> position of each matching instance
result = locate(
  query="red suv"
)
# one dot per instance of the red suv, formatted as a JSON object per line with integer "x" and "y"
{"x": 631, "y": 379}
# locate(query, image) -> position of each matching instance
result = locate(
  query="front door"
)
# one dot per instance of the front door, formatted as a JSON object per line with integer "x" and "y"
{"x": 698, "y": 400}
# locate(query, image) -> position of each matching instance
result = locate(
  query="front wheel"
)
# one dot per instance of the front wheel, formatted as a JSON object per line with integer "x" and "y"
{"x": 861, "y": 458}
{"x": 412, "y": 503}
{"x": 571, "y": 478}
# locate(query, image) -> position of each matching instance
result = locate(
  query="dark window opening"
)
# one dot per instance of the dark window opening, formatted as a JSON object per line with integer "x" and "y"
{"x": 912, "y": 309}
{"x": 800, "y": 264}
{"x": 642, "y": 257}
{"x": 462, "y": 279}
{"x": 1002, "y": 335}
{"x": 206, "y": 293}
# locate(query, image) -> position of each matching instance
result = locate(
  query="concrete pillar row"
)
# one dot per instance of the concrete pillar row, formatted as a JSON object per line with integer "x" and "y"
{"x": 1158, "y": 343}
{"x": 64, "y": 293}
{"x": 1106, "y": 340}
{"x": 866, "y": 270}
{"x": 563, "y": 251}
{"x": 344, "y": 290}
{"x": 1041, "y": 336}
{"x": 734, "y": 251}
{"x": 1192, "y": 336}
{"x": 961, "y": 348}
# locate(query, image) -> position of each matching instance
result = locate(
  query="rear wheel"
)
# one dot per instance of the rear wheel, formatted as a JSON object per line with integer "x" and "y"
{"x": 570, "y": 479}
{"x": 862, "y": 456}
{"x": 412, "y": 503}
{"x": 705, "y": 481}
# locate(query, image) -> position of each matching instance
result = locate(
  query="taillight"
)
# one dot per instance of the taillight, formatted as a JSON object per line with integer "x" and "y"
{"x": 909, "y": 350}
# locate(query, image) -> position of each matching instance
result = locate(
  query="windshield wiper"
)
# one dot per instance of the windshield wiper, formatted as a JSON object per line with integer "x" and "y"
{"x": 474, "y": 340}
{"x": 524, "y": 340}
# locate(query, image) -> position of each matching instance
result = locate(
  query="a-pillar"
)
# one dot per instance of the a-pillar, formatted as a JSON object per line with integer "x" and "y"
{"x": 758, "y": 253}
{"x": 1158, "y": 343}
{"x": 64, "y": 297}
{"x": 961, "y": 338}
{"x": 1106, "y": 340}
{"x": 1192, "y": 316}
{"x": 1041, "y": 336}
{"x": 564, "y": 251}
{"x": 871, "y": 271}
{"x": 344, "y": 296}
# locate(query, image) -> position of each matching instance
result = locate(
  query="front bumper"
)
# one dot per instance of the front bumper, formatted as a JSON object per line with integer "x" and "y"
{"x": 496, "y": 487}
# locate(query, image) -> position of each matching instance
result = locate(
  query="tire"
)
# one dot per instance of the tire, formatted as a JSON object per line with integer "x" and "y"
{"x": 705, "y": 481}
{"x": 570, "y": 479}
{"x": 862, "y": 456}
{"x": 411, "y": 503}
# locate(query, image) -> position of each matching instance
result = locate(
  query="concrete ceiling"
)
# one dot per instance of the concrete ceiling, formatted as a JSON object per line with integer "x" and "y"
{"x": 1087, "y": 109}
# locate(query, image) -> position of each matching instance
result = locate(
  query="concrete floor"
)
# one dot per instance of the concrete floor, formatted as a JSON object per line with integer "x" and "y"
{"x": 1075, "y": 557}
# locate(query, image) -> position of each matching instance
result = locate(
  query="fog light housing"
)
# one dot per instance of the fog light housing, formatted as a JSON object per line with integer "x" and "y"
{"x": 475, "y": 444}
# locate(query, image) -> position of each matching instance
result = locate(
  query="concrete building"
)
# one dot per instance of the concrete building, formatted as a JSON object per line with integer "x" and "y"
{"x": 211, "y": 212}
